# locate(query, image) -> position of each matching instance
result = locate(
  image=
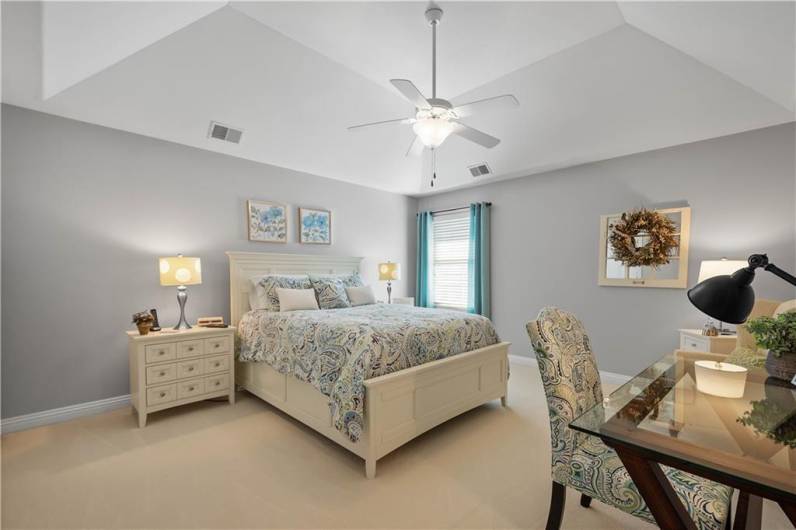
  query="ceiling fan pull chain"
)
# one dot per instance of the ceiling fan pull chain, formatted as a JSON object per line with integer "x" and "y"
{"x": 433, "y": 166}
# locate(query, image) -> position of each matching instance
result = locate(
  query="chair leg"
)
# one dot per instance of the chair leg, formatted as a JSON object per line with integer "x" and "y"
{"x": 585, "y": 500}
{"x": 558, "y": 498}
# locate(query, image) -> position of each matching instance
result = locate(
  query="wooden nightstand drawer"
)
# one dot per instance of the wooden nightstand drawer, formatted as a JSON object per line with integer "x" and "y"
{"x": 161, "y": 394}
{"x": 694, "y": 340}
{"x": 218, "y": 345}
{"x": 691, "y": 343}
{"x": 190, "y": 368}
{"x": 161, "y": 374}
{"x": 190, "y": 348}
{"x": 218, "y": 363}
{"x": 186, "y": 389}
{"x": 160, "y": 352}
{"x": 216, "y": 382}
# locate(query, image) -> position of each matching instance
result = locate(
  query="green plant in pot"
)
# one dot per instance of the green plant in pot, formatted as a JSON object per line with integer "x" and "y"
{"x": 778, "y": 335}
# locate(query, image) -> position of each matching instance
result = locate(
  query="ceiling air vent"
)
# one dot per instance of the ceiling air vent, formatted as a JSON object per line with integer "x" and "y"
{"x": 479, "y": 170}
{"x": 223, "y": 132}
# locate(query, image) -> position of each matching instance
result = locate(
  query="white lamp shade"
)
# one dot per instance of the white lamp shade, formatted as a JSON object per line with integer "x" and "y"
{"x": 432, "y": 131}
{"x": 179, "y": 270}
{"x": 719, "y": 267}
{"x": 720, "y": 379}
{"x": 389, "y": 271}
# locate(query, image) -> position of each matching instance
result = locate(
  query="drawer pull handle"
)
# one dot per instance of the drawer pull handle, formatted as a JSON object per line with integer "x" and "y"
{"x": 162, "y": 394}
{"x": 216, "y": 345}
{"x": 161, "y": 352}
{"x": 217, "y": 364}
{"x": 190, "y": 368}
{"x": 190, "y": 348}
{"x": 218, "y": 383}
{"x": 162, "y": 374}
{"x": 190, "y": 389}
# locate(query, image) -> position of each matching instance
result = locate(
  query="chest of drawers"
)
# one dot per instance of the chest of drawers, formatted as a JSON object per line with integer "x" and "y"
{"x": 168, "y": 369}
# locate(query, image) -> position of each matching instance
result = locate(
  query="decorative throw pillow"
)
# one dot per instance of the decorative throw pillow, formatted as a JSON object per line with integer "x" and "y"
{"x": 360, "y": 295}
{"x": 330, "y": 291}
{"x": 296, "y": 299}
{"x": 267, "y": 286}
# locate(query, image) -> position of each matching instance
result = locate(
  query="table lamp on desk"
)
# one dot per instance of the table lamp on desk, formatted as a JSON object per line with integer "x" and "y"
{"x": 719, "y": 267}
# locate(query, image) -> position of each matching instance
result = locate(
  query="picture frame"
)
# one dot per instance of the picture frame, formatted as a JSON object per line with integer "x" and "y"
{"x": 314, "y": 226}
{"x": 266, "y": 221}
{"x": 673, "y": 276}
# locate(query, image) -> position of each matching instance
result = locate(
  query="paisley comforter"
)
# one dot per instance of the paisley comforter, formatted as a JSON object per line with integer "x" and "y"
{"x": 336, "y": 350}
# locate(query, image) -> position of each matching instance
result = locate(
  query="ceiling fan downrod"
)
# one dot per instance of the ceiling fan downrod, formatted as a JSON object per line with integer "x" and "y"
{"x": 434, "y": 16}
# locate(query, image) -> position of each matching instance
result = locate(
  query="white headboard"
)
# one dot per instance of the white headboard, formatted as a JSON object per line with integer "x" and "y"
{"x": 245, "y": 265}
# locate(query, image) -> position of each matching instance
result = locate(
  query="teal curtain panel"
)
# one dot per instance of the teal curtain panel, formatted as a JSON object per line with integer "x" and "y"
{"x": 423, "y": 290}
{"x": 479, "y": 291}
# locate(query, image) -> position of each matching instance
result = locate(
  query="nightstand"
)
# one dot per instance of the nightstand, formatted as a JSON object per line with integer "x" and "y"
{"x": 694, "y": 340}
{"x": 409, "y": 300}
{"x": 173, "y": 368}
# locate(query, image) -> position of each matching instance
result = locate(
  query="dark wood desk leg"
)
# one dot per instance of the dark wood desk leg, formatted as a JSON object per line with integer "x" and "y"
{"x": 790, "y": 511}
{"x": 669, "y": 512}
{"x": 749, "y": 513}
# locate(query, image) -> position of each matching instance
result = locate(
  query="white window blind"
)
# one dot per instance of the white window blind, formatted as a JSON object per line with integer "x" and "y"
{"x": 450, "y": 248}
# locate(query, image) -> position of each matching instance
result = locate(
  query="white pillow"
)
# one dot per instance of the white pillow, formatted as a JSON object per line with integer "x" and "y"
{"x": 259, "y": 296}
{"x": 784, "y": 307}
{"x": 296, "y": 299}
{"x": 360, "y": 295}
{"x": 257, "y": 299}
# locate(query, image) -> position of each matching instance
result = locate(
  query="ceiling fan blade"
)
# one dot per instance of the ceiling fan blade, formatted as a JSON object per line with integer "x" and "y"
{"x": 398, "y": 120}
{"x": 410, "y": 92}
{"x": 487, "y": 105}
{"x": 474, "y": 135}
{"x": 416, "y": 148}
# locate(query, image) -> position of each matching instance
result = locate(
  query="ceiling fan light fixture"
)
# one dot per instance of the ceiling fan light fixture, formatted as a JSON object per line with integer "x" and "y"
{"x": 432, "y": 131}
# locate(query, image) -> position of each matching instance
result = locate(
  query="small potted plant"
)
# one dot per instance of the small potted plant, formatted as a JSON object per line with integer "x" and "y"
{"x": 778, "y": 336}
{"x": 143, "y": 321}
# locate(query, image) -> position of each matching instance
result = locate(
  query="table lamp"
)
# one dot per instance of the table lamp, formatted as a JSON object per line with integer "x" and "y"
{"x": 387, "y": 273}
{"x": 719, "y": 267}
{"x": 181, "y": 271}
{"x": 730, "y": 298}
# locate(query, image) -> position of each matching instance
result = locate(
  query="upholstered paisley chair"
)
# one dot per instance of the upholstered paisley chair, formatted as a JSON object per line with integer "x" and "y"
{"x": 582, "y": 462}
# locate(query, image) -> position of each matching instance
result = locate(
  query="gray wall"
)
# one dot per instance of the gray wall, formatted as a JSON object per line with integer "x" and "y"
{"x": 86, "y": 211}
{"x": 545, "y": 237}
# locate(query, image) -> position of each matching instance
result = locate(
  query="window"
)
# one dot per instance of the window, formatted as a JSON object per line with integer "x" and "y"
{"x": 450, "y": 252}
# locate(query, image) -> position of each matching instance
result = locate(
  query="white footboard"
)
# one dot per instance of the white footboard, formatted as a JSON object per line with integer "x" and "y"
{"x": 398, "y": 406}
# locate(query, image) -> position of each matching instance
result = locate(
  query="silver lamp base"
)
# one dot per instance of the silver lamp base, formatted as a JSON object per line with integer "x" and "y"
{"x": 182, "y": 297}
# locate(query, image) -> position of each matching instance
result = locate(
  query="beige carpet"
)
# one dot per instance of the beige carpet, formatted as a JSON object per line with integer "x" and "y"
{"x": 211, "y": 465}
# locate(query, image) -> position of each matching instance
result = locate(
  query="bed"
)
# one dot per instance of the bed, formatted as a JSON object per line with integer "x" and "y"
{"x": 370, "y": 415}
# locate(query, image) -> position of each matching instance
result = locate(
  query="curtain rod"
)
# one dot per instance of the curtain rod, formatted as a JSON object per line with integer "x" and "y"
{"x": 446, "y": 210}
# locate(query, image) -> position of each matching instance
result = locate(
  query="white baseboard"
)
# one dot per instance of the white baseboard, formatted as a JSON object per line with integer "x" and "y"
{"x": 607, "y": 378}
{"x": 46, "y": 417}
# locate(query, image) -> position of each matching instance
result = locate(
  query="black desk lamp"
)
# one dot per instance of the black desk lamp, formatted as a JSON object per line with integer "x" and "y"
{"x": 730, "y": 298}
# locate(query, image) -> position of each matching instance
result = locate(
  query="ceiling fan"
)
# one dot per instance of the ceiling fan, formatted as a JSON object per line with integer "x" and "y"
{"x": 435, "y": 118}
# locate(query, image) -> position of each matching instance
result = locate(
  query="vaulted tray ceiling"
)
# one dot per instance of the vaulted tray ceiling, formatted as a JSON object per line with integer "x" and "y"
{"x": 595, "y": 80}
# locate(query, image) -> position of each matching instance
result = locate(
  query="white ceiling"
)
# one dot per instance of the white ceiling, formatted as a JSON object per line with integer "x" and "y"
{"x": 594, "y": 80}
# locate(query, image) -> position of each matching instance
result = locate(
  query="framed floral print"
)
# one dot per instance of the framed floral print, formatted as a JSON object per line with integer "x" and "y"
{"x": 315, "y": 226}
{"x": 267, "y": 222}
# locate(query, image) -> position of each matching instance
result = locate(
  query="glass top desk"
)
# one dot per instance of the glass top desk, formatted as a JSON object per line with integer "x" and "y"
{"x": 659, "y": 417}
